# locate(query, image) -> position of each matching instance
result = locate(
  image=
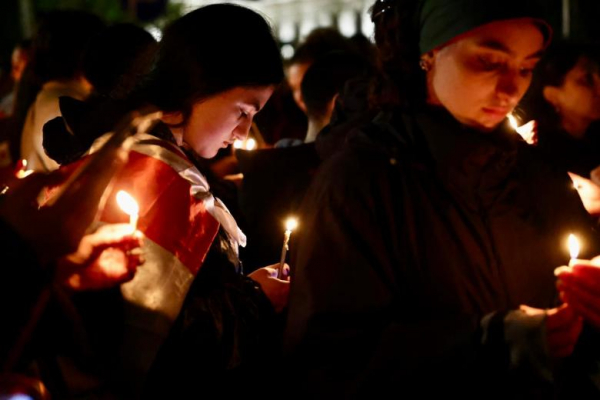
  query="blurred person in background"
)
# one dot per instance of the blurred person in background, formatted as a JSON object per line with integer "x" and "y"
{"x": 58, "y": 46}
{"x": 564, "y": 99}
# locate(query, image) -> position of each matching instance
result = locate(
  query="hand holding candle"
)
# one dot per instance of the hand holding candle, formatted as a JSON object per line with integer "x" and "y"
{"x": 290, "y": 225}
{"x": 129, "y": 206}
{"x": 579, "y": 284}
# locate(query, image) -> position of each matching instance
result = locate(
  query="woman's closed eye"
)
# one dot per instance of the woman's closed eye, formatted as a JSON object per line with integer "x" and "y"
{"x": 490, "y": 63}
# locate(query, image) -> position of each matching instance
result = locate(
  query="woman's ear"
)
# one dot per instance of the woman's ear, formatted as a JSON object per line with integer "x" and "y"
{"x": 426, "y": 62}
{"x": 551, "y": 95}
{"x": 174, "y": 121}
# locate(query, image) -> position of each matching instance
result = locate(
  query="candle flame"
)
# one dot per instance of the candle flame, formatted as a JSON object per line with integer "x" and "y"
{"x": 291, "y": 224}
{"x": 127, "y": 203}
{"x": 513, "y": 121}
{"x": 237, "y": 144}
{"x": 573, "y": 246}
{"x": 23, "y": 172}
{"x": 250, "y": 144}
{"x": 526, "y": 131}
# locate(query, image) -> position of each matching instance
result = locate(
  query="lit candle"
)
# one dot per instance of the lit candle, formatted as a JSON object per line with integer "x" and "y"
{"x": 526, "y": 131}
{"x": 129, "y": 206}
{"x": 574, "y": 247}
{"x": 290, "y": 225}
{"x": 250, "y": 144}
{"x": 23, "y": 171}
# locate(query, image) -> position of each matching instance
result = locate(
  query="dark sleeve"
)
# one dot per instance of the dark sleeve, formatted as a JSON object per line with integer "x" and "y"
{"x": 224, "y": 339}
{"x": 352, "y": 328}
{"x": 21, "y": 284}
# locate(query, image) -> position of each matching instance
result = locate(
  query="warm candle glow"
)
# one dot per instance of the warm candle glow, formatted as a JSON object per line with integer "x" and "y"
{"x": 574, "y": 246}
{"x": 23, "y": 172}
{"x": 513, "y": 121}
{"x": 526, "y": 131}
{"x": 129, "y": 206}
{"x": 127, "y": 203}
{"x": 250, "y": 144}
{"x": 291, "y": 224}
{"x": 237, "y": 144}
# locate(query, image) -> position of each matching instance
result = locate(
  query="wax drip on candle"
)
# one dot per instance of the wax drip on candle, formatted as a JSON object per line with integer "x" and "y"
{"x": 129, "y": 206}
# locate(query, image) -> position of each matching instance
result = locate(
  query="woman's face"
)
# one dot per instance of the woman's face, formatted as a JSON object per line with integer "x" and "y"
{"x": 218, "y": 121}
{"x": 481, "y": 77}
{"x": 579, "y": 95}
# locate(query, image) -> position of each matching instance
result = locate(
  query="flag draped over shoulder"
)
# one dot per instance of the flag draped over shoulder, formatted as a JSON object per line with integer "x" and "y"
{"x": 179, "y": 218}
{"x": 179, "y": 231}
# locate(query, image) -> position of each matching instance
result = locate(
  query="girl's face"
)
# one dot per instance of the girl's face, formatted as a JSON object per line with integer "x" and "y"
{"x": 481, "y": 77}
{"x": 216, "y": 122}
{"x": 579, "y": 95}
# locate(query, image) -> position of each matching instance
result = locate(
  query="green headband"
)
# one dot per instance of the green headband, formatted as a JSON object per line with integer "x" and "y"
{"x": 441, "y": 21}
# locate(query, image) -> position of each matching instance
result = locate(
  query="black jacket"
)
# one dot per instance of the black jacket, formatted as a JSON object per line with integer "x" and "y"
{"x": 412, "y": 235}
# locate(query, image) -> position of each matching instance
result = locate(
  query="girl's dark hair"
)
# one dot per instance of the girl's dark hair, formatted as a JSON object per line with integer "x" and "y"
{"x": 400, "y": 81}
{"x": 211, "y": 50}
{"x": 116, "y": 59}
{"x": 59, "y": 43}
{"x": 551, "y": 71}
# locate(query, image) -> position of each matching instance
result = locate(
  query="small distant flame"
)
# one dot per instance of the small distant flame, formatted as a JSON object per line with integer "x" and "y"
{"x": 574, "y": 246}
{"x": 23, "y": 172}
{"x": 250, "y": 144}
{"x": 127, "y": 203}
{"x": 291, "y": 224}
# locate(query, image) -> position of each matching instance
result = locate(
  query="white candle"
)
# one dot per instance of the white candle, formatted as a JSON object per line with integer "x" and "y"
{"x": 129, "y": 206}
{"x": 290, "y": 225}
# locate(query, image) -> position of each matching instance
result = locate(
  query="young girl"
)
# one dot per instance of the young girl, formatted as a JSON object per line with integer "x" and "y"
{"x": 215, "y": 69}
{"x": 435, "y": 226}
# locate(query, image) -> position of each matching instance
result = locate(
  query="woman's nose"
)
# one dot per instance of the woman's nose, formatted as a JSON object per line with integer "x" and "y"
{"x": 511, "y": 86}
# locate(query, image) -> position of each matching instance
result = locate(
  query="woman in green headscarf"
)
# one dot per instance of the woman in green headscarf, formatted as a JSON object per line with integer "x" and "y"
{"x": 425, "y": 260}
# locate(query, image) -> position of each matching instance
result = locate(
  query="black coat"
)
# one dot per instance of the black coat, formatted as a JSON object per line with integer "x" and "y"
{"x": 410, "y": 236}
